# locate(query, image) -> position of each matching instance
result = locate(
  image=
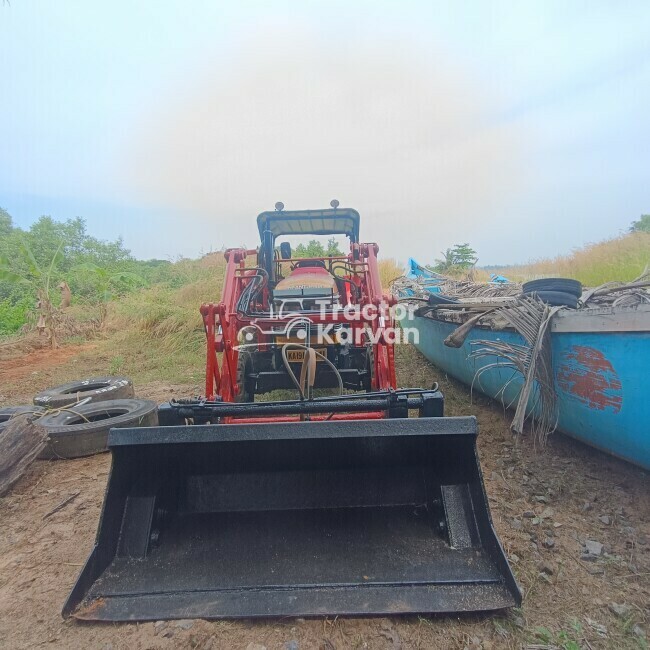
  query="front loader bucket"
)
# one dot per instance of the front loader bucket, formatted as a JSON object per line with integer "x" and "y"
{"x": 294, "y": 519}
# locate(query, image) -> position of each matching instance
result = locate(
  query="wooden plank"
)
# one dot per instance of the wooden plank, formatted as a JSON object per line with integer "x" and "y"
{"x": 21, "y": 442}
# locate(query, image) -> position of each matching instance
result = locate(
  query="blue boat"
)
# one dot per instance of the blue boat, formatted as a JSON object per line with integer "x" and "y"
{"x": 600, "y": 366}
{"x": 431, "y": 281}
{"x": 428, "y": 279}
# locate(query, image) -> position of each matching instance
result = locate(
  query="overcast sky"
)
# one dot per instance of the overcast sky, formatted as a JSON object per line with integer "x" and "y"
{"x": 521, "y": 128}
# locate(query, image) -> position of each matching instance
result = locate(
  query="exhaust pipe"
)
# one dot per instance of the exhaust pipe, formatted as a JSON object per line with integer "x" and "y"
{"x": 294, "y": 519}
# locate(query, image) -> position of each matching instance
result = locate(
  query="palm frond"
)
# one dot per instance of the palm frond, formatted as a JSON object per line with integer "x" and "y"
{"x": 29, "y": 258}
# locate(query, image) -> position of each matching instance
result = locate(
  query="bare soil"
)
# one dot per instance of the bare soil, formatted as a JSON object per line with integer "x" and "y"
{"x": 545, "y": 505}
{"x": 21, "y": 371}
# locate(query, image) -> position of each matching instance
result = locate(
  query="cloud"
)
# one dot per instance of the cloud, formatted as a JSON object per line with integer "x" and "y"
{"x": 394, "y": 130}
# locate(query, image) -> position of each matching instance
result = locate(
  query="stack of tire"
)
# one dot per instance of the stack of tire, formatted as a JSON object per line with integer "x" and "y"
{"x": 559, "y": 292}
{"x": 78, "y": 415}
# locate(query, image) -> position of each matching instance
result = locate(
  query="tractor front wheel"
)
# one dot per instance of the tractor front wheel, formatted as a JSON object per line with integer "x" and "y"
{"x": 244, "y": 366}
{"x": 370, "y": 368}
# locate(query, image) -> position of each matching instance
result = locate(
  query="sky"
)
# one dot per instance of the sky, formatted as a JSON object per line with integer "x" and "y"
{"x": 522, "y": 128}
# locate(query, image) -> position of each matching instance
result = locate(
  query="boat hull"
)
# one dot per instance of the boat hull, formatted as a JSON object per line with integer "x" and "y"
{"x": 599, "y": 369}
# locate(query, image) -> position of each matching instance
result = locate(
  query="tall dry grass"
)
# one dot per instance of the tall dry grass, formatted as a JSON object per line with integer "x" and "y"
{"x": 472, "y": 274}
{"x": 160, "y": 327}
{"x": 621, "y": 258}
{"x": 389, "y": 270}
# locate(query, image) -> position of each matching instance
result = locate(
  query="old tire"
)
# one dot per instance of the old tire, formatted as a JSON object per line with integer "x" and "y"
{"x": 99, "y": 389}
{"x": 71, "y": 436}
{"x": 9, "y": 412}
{"x": 556, "y": 298}
{"x": 563, "y": 285}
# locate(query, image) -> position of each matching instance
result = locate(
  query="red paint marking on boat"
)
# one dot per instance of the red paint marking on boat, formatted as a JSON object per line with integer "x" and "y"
{"x": 589, "y": 376}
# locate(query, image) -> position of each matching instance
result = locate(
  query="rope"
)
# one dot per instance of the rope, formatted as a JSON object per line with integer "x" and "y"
{"x": 56, "y": 411}
{"x": 305, "y": 372}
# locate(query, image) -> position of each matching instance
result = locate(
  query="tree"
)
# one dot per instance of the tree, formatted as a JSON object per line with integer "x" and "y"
{"x": 313, "y": 249}
{"x": 461, "y": 256}
{"x": 27, "y": 255}
{"x": 444, "y": 264}
{"x": 464, "y": 256}
{"x": 6, "y": 224}
{"x": 333, "y": 249}
{"x": 642, "y": 225}
{"x": 40, "y": 279}
{"x": 316, "y": 249}
{"x": 43, "y": 238}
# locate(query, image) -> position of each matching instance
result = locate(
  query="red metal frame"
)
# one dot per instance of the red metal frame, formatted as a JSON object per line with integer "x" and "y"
{"x": 222, "y": 324}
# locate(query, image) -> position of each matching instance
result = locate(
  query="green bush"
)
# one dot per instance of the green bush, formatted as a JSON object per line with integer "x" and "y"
{"x": 13, "y": 314}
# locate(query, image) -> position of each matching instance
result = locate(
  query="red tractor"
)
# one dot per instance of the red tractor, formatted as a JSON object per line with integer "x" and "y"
{"x": 279, "y": 312}
{"x": 319, "y": 505}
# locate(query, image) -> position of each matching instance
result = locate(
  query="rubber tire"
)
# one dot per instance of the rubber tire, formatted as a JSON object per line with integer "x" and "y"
{"x": 244, "y": 364}
{"x": 7, "y": 412}
{"x": 73, "y": 392}
{"x": 556, "y": 298}
{"x": 87, "y": 438}
{"x": 370, "y": 367}
{"x": 563, "y": 285}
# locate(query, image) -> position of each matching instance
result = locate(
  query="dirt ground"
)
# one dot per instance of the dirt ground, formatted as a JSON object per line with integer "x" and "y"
{"x": 545, "y": 504}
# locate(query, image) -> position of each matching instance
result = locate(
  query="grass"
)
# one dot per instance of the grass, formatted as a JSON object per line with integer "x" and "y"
{"x": 116, "y": 365}
{"x": 389, "y": 270}
{"x": 622, "y": 258}
{"x": 158, "y": 331}
{"x": 564, "y": 639}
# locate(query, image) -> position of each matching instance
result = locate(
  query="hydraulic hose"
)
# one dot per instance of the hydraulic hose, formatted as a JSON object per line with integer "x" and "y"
{"x": 310, "y": 358}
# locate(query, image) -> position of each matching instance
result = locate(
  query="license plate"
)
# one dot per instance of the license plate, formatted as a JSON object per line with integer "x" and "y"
{"x": 298, "y": 356}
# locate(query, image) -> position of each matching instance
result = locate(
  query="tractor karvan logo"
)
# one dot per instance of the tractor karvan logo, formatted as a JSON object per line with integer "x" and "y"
{"x": 300, "y": 327}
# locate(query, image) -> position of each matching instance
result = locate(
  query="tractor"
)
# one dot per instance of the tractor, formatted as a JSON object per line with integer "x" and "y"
{"x": 328, "y": 314}
{"x": 348, "y": 496}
